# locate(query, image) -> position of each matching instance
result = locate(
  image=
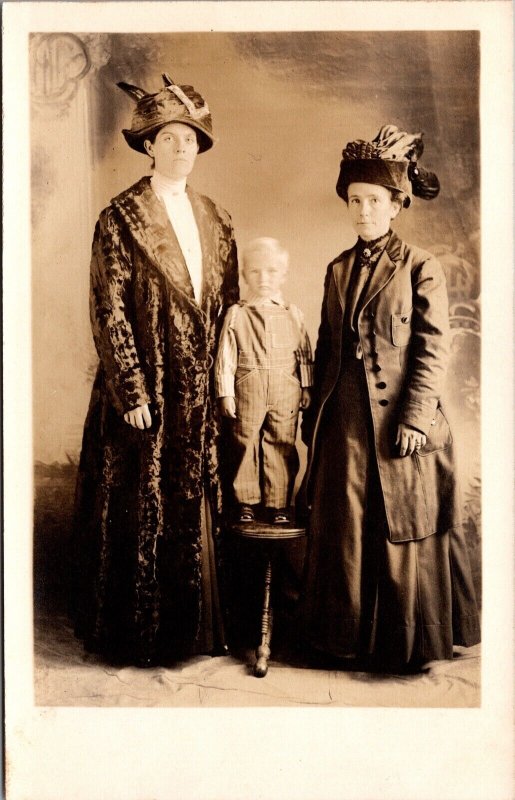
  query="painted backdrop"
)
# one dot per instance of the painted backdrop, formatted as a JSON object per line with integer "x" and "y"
{"x": 284, "y": 105}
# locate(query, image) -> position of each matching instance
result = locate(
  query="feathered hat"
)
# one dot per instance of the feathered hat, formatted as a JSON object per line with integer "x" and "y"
{"x": 390, "y": 160}
{"x": 172, "y": 104}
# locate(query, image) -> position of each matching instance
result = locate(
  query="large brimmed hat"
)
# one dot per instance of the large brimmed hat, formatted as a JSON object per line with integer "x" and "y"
{"x": 172, "y": 104}
{"x": 389, "y": 160}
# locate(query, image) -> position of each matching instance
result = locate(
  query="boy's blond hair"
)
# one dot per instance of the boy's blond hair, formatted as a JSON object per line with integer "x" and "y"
{"x": 268, "y": 245}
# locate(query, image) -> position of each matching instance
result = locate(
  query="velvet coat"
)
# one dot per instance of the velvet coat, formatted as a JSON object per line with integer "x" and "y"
{"x": 139, "y": 493}
{"x": 403, "y": 331}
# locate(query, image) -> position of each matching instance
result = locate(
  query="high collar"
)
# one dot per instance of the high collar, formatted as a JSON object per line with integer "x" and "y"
{"x": 374, "y": 246}
{"x": 167, "y": 187}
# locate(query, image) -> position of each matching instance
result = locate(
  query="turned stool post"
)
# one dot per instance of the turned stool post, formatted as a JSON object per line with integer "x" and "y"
{"x": 270, "y": 535}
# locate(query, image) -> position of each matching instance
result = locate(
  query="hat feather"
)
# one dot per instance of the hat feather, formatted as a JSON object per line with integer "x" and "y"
{"x": 393, "y": 144}
{"x": 133, "y": 91}
{"x": 424, "y": 184}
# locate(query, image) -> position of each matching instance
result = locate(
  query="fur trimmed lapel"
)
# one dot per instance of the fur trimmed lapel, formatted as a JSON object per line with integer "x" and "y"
{"x": 210, "y": 245}
{"x": 151, "y": 227}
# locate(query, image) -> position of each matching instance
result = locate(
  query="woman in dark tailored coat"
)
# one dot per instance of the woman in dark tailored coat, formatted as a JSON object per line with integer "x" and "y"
{"x": 387, "y": 573}
{"x": 163, "y": 271}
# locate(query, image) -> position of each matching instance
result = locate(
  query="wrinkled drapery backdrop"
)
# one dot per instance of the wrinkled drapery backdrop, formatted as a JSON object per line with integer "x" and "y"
{"x": 284, "y": 105}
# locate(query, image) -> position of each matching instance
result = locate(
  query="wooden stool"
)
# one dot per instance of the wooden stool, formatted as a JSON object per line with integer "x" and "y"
{"x": 270, "y": 535}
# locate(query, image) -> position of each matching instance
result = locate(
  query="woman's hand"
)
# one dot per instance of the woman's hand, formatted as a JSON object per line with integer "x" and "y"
{"x": 227, "y": 406}
{"x": 305, "y": 398}
{"x": 139, "y": 417}
{"x": 409, "y": 439}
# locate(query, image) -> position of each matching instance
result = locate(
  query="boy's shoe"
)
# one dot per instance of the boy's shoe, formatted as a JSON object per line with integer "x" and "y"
{"x": 280, "y": 516}
{"x": 245, "y": 513}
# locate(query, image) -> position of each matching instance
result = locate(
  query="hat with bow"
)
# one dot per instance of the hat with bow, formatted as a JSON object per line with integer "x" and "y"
{"x": 172, "y": 104}
{"x": 389, "y": 160}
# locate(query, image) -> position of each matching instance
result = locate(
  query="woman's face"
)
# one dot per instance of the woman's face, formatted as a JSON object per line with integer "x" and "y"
{"x": 174, "y": 150}
{"x": 371, "y": 209}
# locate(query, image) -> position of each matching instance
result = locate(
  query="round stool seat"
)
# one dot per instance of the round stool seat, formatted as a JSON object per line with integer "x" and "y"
{"x": 267, "y": 531}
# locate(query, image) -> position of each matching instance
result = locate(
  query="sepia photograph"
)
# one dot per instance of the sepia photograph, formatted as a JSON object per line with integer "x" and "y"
{"x": 131, "y": 508}
{"x": 255, "y": 324}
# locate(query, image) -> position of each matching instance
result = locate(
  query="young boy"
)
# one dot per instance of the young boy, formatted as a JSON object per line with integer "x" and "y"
{"x": 263, "y": 372}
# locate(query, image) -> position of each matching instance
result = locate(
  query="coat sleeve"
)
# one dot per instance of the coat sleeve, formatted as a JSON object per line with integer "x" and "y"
{"x": 230, "y": 287}
{"x": 110, "y": 313}
{"x": 322, "y": 353}
{"x": 429, "y": 346}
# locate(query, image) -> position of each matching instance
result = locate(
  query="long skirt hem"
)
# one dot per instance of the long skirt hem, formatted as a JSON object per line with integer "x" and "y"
{"x": 364, "y": 595}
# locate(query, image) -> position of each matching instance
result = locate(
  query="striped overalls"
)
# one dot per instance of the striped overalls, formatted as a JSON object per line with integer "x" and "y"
{"x": 267, "y": 389}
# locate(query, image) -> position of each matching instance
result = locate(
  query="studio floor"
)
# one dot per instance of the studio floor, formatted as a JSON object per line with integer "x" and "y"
{"x": 67, "y": 676}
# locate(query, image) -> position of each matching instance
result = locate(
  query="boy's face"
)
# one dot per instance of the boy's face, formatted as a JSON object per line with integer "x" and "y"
{"x": 264, "y": 273}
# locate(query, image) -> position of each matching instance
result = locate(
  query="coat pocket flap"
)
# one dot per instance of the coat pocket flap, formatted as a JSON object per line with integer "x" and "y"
{"x": 439, "y": 436}
{"x": 401, "y": 328}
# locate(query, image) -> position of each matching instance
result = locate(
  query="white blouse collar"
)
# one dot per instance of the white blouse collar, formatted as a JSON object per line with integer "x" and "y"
{"x": 167, "y": 187}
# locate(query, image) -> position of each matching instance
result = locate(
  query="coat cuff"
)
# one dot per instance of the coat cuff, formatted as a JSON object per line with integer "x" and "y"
{"x": 131, "y": 394}
{"x": 418, "y": 416}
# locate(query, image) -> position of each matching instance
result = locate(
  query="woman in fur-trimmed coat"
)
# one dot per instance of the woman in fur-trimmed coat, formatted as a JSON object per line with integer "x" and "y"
{"x": 163, "y": 270}
{"x": 387, "y": 570}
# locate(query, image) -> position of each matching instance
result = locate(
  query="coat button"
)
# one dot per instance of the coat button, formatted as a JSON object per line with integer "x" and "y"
{"x": 404, "y": 319}
{"x": 383, "y": 402}
{"x": 381, "y": 385}
{"x": 376, "y": 368}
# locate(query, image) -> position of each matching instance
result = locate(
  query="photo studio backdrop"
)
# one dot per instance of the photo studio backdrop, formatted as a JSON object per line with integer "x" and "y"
{"x": 284, "y": 105}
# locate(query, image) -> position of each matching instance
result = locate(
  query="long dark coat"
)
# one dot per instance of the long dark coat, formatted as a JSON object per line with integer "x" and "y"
{"x": 139, "y": 494}
{"x": 387, "y": 569}
{"x": 404, "y": 335}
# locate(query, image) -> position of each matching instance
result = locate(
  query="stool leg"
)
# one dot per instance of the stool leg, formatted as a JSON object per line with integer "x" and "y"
{"x": 263, "y": 651}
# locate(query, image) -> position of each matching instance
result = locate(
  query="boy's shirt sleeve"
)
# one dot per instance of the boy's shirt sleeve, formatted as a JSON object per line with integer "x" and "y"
{"x": 227, "y": 356}
{"x": 303, "y": 353}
